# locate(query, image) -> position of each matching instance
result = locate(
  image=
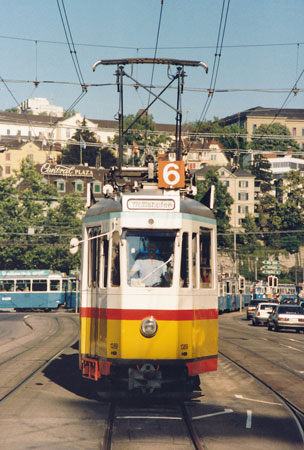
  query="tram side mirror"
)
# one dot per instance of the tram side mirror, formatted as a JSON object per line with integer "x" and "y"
{"x": 74, "y": 245}
{"x": 208, "y": 199}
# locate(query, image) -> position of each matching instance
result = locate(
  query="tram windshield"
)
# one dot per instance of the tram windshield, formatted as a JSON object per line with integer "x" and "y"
{"x": 150, "y": 258}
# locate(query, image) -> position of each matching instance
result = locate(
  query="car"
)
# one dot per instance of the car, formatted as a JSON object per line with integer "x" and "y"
{"x": 286, "y": 316}
{"x": 252, "y": 307}
{"x": 261, "y": 313}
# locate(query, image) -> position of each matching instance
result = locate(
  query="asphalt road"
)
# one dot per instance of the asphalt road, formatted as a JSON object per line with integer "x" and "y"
{"x": 57, "y": 409}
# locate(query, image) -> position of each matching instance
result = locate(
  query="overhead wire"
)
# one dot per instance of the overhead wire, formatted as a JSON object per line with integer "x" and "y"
{"x": 189, "y": 47}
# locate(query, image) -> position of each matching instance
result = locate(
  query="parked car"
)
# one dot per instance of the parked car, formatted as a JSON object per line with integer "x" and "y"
{"x": 261, "y": 313}
{"x": 286, "y": 316}
{"x": 252, "y": 306}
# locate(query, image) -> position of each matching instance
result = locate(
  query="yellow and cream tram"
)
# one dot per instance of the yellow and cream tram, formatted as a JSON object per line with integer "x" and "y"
{"x": 149, "y": 320}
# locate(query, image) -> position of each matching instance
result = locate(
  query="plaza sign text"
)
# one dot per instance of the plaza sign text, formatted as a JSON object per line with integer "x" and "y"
{"x": 65, "y": 171}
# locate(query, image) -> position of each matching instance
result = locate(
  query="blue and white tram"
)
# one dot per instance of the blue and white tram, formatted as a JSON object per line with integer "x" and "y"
{"x": 36, "y": 289}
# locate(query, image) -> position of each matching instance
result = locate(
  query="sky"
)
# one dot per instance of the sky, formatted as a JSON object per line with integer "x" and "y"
{"x": 262, "y": 49}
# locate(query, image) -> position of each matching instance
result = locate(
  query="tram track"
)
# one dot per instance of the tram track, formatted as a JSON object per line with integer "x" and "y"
{"x": 18, "y": 369}
{"x": 176, "y": 413}
{"x": 296, "y": 412}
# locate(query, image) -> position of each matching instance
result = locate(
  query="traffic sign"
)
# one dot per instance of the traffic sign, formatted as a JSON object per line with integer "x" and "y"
{"x": 271, "y": 272}
{"x": 271, "y": 263}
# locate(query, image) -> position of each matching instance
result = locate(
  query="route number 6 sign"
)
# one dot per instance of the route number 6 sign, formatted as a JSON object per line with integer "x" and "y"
{"x": 171, "y": 174}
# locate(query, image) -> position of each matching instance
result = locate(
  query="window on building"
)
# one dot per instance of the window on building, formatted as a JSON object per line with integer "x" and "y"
{"x": 7, "y": 156}
{"x": 30, "y": 157}
{"x": 60, "y": 184}
{"x": 226, "y": 183}
{"x": 243, "y": 196}
{"x": 242, "y": 209}
{"x": 19, "y": 133}
{"x": 302, "y": 131}
{"x": 213, "y": 157}
{"x": 243, "y": 183}
{"x": 240, "y": 222}
{"x": 254, "y": 127}
{"x": 7, "y": 170}
{"x": 8, "y": 132}
{"x": 97, "y": 188}
{"x": 68, "y": 133}
{"x": 294, "y": 131}
{"x": 78, "y": 186}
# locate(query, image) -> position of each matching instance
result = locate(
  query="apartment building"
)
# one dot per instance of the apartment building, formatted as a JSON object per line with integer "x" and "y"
{"x": 251, "y": 119}
{"x": 240, "y": 185}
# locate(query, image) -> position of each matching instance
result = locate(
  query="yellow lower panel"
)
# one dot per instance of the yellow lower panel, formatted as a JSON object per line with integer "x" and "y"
{"x": 173, "y": 340}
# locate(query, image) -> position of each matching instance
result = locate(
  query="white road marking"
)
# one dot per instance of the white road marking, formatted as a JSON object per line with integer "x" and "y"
{"x": 149, "y": 417}
{"x": 226, "y": 411}
{"x": 258, "y": 401}
{"x": 249, "y": 418}
{"x": 292, "y": 348}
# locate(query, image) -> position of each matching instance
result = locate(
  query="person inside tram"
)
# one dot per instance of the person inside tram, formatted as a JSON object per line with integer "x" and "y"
{"x": 206, "y": 276}
{"x": 152, "y": 270}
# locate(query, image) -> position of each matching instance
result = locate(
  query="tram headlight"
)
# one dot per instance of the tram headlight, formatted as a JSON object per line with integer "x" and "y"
{"x": 148, "y": 327}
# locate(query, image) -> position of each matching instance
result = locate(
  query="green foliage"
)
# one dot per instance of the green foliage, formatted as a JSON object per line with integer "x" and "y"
{"x": 276, "y": 129}
{"x": 76, "y": 154}
{"x": 140, "y": 135}
{"x": 26, "y": 203}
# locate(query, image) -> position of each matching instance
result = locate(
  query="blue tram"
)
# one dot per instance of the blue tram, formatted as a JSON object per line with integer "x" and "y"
{"x": 233, "y": 293}
{"x": 24, "y": 290}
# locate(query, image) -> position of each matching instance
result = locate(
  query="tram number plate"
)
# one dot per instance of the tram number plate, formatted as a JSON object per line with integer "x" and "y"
{"x": 171, "y": 174}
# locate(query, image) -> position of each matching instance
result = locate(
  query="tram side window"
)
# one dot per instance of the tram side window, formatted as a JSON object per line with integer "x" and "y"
{"x": 205, "y": 258}
{"x": 94, "y": 257}
{"x": 104, "y": 261}
{"x": 115, "y": 269}
{"x": 39, "y": 285}
{"x": 23, "y": 285}
{"x": 184, "y": 272}
{"x": 55, "y": 285}
{"x": 194, "y": 253}
{"x": 8, "y": 286}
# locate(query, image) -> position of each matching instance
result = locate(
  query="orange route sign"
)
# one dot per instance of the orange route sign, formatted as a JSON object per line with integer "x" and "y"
{"x": 171, "y": 174}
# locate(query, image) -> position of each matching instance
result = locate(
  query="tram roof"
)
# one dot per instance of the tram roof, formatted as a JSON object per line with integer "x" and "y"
{"x": 115, "y": 204}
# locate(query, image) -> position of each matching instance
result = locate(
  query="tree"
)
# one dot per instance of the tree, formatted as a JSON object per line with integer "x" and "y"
{"x": 139, "y": 137}
{"x": 222, "y": 203}
{"x": 263, "y": 142}
{"x": 85, "y": 151}
{"x": 36, "y": 225}
{"x": 260, "y": 168}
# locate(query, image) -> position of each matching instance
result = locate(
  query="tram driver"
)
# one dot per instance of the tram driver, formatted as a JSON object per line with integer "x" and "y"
{"x": 152, "y": 270}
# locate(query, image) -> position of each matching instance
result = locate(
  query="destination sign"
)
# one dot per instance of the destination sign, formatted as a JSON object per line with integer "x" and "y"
{"x": 151, "y": 204}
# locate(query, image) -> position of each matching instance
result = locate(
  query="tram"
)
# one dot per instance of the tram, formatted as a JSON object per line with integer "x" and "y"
{"x": 24, "y": 290}
{"x": 149, "y": 308}
{"x": 149, "y": 327}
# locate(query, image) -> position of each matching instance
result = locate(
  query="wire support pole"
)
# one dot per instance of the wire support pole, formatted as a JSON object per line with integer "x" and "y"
{"x": 119, "y": 79}
{"x": 178, "y": 127}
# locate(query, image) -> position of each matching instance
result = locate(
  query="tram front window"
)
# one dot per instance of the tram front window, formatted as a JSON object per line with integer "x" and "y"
{"x": 150, "y": 258}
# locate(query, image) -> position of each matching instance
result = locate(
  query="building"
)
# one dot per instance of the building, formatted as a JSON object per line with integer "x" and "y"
{"x": 210, "y": 153}
{"x": 40, "y": 105}
{"x": 251, "y": 119}
{"x": 240, "y": 185}
{"x": 13, "y": 152}
{"x": 68, "y": 179}
{"x": 59, "y": 129}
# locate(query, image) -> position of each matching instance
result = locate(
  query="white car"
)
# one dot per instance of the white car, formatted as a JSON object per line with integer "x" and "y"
{"x": 261, "y": 313}
{"x": 286, "y": 316}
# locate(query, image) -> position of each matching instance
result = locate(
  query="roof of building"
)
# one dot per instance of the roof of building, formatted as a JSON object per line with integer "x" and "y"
{"x": 259, "y": 111}
{"x": 237, "y": 172}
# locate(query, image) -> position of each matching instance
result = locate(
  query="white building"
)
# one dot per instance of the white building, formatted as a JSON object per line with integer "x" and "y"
{"x": 40, "y": 105}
